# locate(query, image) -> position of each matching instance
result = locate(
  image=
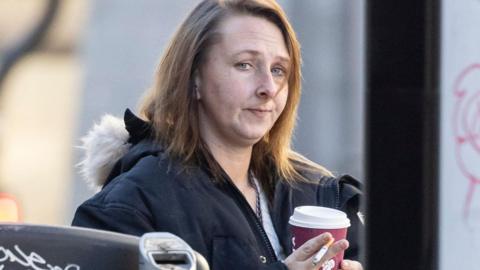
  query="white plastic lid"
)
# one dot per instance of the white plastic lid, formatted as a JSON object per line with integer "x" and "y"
{"x": 317, "y": 217}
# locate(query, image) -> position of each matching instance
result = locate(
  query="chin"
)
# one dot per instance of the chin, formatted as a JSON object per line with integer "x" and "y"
{"x": 255, "y": 139}
{"x": 252, "y": 136}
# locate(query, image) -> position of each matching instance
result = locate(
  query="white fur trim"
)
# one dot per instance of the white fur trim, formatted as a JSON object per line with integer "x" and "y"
{"x": 104, "y": 145}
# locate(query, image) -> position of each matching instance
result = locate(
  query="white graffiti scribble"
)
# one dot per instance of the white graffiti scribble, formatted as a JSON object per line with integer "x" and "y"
{"x": 32, "y": 260}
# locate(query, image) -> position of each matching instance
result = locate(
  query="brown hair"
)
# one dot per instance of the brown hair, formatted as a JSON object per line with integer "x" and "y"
{"x": 171, "y": 105}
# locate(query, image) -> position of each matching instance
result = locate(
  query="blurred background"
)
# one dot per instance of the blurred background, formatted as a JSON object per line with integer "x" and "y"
{"x": 65, "y": 63}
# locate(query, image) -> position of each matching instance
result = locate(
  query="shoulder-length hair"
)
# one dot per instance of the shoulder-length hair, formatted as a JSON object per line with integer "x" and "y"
{"x": 171, "y": 106}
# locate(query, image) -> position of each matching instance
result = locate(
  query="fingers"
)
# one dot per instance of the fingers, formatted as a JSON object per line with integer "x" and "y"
{"x": 337, "y": 247}
{"x": 309, "y": 248}
{"x": 303, "y": 257}
{"x": 351, "y": 265}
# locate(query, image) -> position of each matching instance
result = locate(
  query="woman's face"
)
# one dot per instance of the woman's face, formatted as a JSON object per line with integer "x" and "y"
{"x": 242, "y": 85}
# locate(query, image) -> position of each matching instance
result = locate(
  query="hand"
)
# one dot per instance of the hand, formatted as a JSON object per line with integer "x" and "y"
{"x": 350, "y": 265}
{"x": 302, "y": 258}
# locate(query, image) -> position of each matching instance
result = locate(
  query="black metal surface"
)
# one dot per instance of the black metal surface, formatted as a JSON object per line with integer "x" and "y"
{"x": 25, "y": 247}
{"x": 402, "y": 134}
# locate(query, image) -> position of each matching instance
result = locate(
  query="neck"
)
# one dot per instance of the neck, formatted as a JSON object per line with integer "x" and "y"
{"x": 235, "y": 161}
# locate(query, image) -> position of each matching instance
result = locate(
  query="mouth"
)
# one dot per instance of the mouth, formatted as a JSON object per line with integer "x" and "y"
{"x": 259, "y": 111}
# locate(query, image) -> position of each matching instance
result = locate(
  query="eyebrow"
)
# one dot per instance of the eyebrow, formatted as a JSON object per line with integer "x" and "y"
{"x": 255, "y": 53}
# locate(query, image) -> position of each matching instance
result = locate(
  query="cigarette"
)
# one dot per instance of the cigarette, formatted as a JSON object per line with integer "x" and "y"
{"x": 322, "y": 252}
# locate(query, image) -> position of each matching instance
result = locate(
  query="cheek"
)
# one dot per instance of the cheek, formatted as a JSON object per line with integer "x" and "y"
{"x": 224, "y": 101}
{"x": 233, "y": 96}
{"x": 226, "y": 89}
{"x": 282, "y": 100}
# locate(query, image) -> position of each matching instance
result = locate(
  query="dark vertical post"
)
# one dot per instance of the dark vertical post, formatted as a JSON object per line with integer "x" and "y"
{"x": 32, "y": 40}
{"x": 402, "y": 134}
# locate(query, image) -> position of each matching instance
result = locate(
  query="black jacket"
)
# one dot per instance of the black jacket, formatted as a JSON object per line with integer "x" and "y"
{"x": 148, "y": 191}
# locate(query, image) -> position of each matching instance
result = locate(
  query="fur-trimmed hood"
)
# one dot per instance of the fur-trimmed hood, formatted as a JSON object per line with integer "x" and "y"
{"x": 106, "y": 143}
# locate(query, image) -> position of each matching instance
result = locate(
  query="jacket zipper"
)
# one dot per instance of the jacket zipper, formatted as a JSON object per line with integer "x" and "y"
{"x": 251, "y": 216}
{"x": 338, "y": 195}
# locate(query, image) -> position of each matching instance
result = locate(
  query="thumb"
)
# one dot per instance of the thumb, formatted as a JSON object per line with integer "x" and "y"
{"x": 350, "y": 265}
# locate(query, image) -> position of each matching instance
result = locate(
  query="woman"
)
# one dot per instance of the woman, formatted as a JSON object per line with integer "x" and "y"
{"x": 211, "y": 160}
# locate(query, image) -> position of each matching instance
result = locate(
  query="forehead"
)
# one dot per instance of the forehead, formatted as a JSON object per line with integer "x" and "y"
{"x": 250, "y": 33}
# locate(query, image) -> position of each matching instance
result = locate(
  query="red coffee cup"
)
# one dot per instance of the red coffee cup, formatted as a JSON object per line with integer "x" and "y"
{"x": 310, "y": 221}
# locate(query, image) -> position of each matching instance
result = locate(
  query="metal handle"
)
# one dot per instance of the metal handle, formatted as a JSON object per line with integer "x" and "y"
{"x": 164, "y": 251}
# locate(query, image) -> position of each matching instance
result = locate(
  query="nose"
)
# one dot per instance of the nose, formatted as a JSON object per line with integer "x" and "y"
{"x": 267, "y": 87}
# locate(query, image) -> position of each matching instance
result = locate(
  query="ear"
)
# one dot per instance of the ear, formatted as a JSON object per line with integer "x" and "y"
{"x": 197, "y": 84}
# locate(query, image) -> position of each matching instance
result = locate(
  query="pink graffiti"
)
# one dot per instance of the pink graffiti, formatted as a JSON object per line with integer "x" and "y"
{"x": 466, "y": 126}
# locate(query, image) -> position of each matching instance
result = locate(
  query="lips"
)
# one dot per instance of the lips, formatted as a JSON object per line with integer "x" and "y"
{"x": 260, "y": 112}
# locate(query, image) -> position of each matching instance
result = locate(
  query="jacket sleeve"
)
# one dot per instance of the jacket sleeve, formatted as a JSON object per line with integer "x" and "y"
{"x": 112, "y": 217}
{"x": 349, "y": 202}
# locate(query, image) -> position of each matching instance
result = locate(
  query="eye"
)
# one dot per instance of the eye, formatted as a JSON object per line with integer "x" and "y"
{"x": 243, "y": 66}
{"x": 278, "y": 72}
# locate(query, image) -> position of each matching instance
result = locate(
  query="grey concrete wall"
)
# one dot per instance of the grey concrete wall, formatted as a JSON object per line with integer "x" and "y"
{"x": 330, "y": 127}
{"x": 124, "y": 40}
